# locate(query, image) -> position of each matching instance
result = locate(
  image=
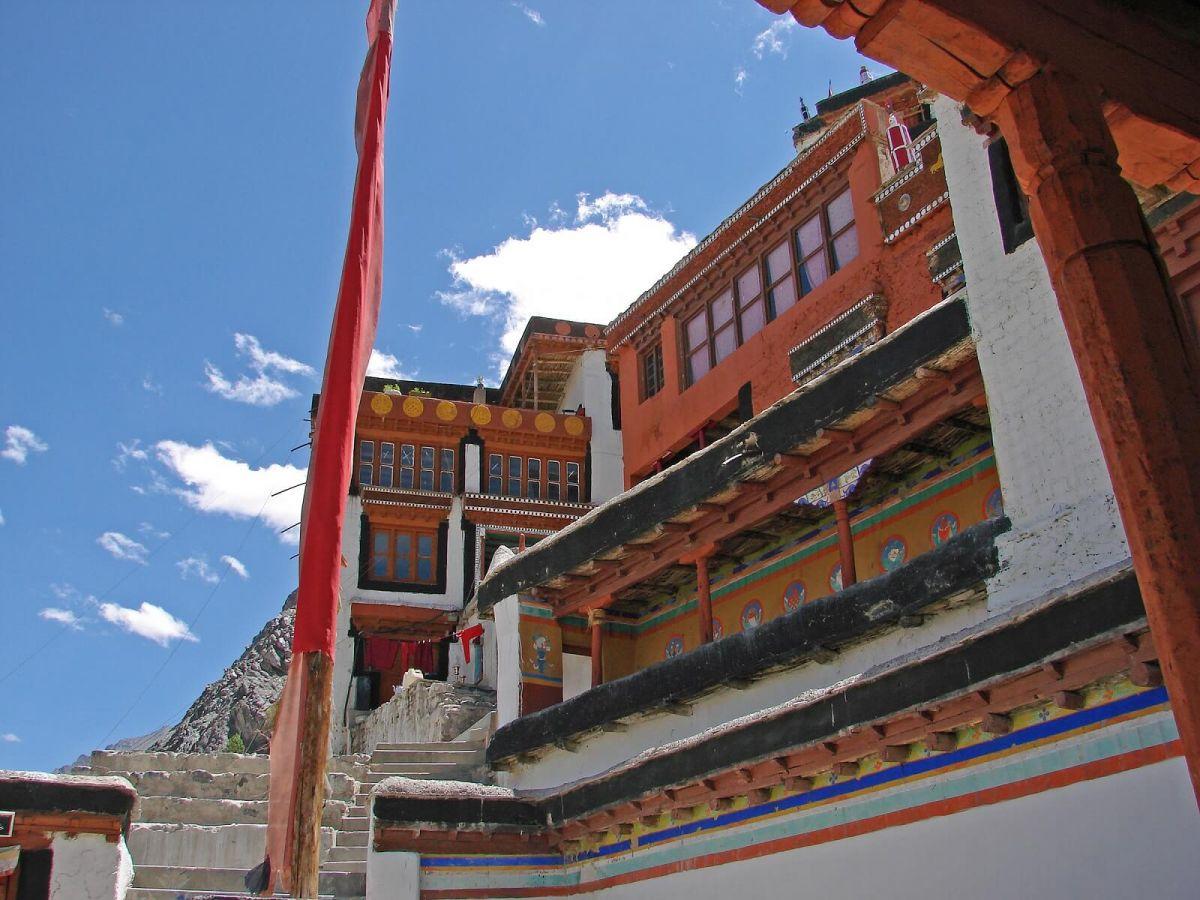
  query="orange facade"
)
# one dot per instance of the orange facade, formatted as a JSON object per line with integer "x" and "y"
{"x": 793, "y": 249}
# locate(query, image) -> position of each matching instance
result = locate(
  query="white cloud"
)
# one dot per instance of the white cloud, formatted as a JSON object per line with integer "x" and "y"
{"x": 62, "y": 616}
{"x": 151, "y": 386}
{"x": 114, "y": 318}
{"x": 589, "y": 271}
{"x": 149, "y": 621}
{"x": 771, "y": 38}
{"x": 120, "y": 546}
{"x": 414, "y": 327}
{"x": 384, "y": 365}
{"x": 262, "y": 388}
{"x": 739, "y": 80}
{"x": 148, "y": 528}
{"x": 219, "y": 484}
{"x": 197, "y": 567}
{"x": 1, "y": 517}
{"x": 235, "y": 564}
{"x": 9, "y": 738}
{"x": 531, "y": 14}
{"x": 19, "y": 442}
{"x": 125, "y": 452}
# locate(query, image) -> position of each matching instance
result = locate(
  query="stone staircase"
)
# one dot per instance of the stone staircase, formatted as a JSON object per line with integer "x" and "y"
{"x": 459, "y": 760}
{"x": 201, "y": 821}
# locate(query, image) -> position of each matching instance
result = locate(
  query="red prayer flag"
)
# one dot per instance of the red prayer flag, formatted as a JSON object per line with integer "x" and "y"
{"x": 350, "y": 341}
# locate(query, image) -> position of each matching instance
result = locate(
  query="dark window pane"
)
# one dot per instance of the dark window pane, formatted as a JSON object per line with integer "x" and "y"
{"x": 533, "y": 489}
{"x": 403, "y": 568}
{"x": 446, "y": 484}
{"x": 813, "y": 272}
{"x": 406, "y": 479}
{"x": 495, "y": 464}
{"x": 698, "y": 365}
{"x": 572, "y": 493}
{"x": 407, "y": 454}
{"x": 514, "y": 487}
{"x": 424, "y": 569}
{"x": 380, "y": 541}
{"x": 366, "y": 451}
{"x": 779, "y": 262}
{"x": 809, "y": 236}
{"x": 426, "y": 457}
{"x": 364, "y": 474}
{"x": 424, "y": 545}
{"x": 385, "y": 476}
{"x": 753, "y": 319}
{"x": 447, "y": 459}
{"x": 783, "y": 296}
{"x": 722, "y": 310}
{"x": 514, "y": 467}
{"x": 403, "y": 545}
{"x": 749, "y": 286}
{"x": 553, "y": 469}
{"x": 379, "y": 567}
{"x": 572, "y": 473}
{"x": 387, "y": 454}
{"x": 535, "y": 468}
{"x": 697, "y": 331}
{"x": 845, "y": 248}
{"x": 840, "y": 211}
{"x": 427, "y": 479}
{"x": 495, "y": 484}
{"x": 552, "y": 491}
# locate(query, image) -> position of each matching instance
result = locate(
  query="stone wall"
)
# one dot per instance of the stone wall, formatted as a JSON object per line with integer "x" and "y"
{"x": 423, "y": 712}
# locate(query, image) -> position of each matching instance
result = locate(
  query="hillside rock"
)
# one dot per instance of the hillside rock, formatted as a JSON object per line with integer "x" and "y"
{"x": 238, "y": 701}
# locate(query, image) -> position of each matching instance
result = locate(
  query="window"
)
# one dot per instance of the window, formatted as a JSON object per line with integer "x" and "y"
{"x": 446, "y": 472}
{"x": 366, "y": 457}
{"x": 724, "y": 329}
{"x": 408, "y": 459}
{"x": 514, "y": 476}
{"x": 553, "y": 479}
{"x": 387, "y": 459}
{"x": 572, "y": 482}
{"x": 402, "y": 556}
{"x": 495, "y": 474}
{"x": 652, "y": 371}
{"x": 696, "y": 336}
{"x": 781, "y": 284}
{"x": 751, "y": 308}
{"x": 1011, "y": 206}
{"x": 533, "y": 480}
{"x": 826, "y": 242}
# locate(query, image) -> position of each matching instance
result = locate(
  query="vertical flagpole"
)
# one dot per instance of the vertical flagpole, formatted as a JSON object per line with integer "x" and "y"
{"x": 300, "y": 744}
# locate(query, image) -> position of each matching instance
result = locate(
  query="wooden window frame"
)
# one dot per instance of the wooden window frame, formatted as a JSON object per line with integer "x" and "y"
{"x": 498, "y": 480}
{"x": 413, "y": 556}
{"x": 531, "y": 480}
{"x": 554, "y": 484}
{"x": 577, "y": 485}
{"x": 446, "y": 470}
{"x": 650, "y": 367}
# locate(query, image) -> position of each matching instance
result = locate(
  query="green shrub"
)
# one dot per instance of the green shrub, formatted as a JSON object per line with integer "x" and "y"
{"x": 235, "y": 744}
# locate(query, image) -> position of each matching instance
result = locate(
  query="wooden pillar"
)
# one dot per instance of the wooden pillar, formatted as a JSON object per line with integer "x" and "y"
{"x": 704, "y": 600}
{"x": 1132, "y": 346}
{"x": 841, "y": 512}
{"x": 596, "y": 620}
{"x": 312, "y": 758}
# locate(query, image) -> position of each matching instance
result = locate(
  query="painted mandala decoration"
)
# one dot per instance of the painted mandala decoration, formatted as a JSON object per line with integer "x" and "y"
{"x": 675, "y": 646}
{"x": 943, "y": 528}
{"x": 993, "y": 506}
{"x": 835, "y": 578}
{"x": 793, "y": 596}
{"x": 893, "y": 554}
{"x": 752, "y": 615}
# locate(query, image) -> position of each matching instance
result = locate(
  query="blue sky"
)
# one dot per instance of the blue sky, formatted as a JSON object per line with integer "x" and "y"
{"x": 176, "y": 183}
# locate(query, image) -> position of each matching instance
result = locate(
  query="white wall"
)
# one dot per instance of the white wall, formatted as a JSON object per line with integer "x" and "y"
{"x": 591, "y": 385}
{"x": 392, "y": 876}
{"x": 1056, "y": 487}
{"x": 1127, "y": 835}
{"x": 88, "y": 867}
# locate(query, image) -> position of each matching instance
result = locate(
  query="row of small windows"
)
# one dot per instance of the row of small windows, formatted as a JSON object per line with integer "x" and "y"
{"x": 518, "y": 476}
{"x": 823, "y": 244}
{"x": 402, "y": 556}
{"x": 432, "y": 469}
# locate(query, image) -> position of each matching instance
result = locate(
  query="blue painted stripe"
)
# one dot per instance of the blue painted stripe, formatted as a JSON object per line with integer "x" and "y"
{"x": 1033, "y": 733}
{"x": 460, "y": 861}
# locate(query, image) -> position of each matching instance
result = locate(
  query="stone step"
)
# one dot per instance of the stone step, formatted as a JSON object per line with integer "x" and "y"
{"x": 387, "y": 769}
{"x": 430, "y": 745}
{"x": 190, "y": 811}
{"x": 458, "y": 757}
{"x": 339, "y": 855}
{"x": 347, "y": 866}
{"x": 355, "y": 822}
{"x": 203, "y": 846}
{"x": 346, "y": 838}
{"x": 102, "y": 762}
{"x": 225, "y": 881}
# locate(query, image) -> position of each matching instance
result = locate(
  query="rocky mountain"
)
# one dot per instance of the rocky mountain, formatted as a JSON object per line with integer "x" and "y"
{"x": 237, "y": 703}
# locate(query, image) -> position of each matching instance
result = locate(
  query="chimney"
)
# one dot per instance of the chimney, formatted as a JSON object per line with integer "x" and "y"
{"x": 480, "y": 395}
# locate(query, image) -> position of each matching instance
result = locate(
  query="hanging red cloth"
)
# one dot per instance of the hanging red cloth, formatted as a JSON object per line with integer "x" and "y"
{"x": 467, "y": 636}
{"x": 380, "y": 653}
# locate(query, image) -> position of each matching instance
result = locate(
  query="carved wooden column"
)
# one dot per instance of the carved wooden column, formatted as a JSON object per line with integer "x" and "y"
{"x": 1132, "y": 346}
{"x": 704, "y": 600}
{"x": 841, "y": 512}
{"x": 596, "y": 620}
